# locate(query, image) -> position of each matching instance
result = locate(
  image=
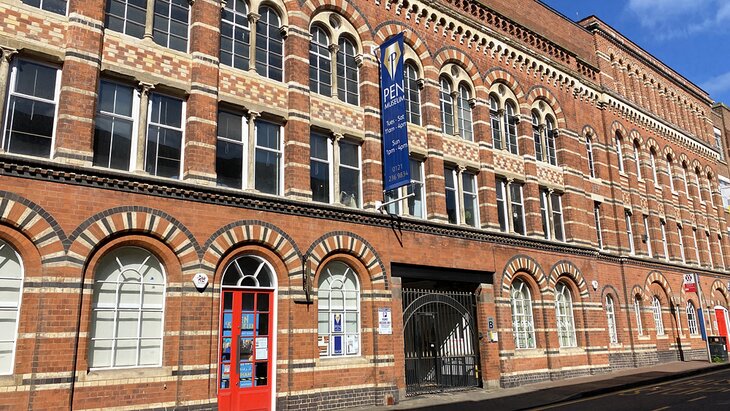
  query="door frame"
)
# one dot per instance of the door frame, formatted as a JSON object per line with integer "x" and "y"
{"x": 275, "y": 319}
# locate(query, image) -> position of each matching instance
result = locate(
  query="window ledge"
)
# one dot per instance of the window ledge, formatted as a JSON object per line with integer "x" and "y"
{"x": 644, "y": 338}
{"x": 528, "y": 353}
{"x": 341, "y": 360}
{"x": 615, "y": 345}
{"x": 572, "y": 350}
{"x": 124, "y": 373}
{"x": 10, "y": 380}
{"x": 662, "y": 337}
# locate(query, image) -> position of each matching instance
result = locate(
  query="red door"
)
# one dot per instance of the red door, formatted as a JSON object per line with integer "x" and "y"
{"x": 722, "y": 323}
{"x": 246, "y": 340}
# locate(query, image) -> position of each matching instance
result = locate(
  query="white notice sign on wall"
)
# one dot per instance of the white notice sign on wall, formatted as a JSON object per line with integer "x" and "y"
{"x": 385, "y": 323}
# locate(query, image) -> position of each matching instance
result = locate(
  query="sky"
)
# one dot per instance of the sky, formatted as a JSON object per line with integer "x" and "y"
{"x": 690, "y": 36}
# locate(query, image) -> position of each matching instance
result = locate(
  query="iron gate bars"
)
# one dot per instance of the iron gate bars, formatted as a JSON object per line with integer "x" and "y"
{"x": 441, "y": 348}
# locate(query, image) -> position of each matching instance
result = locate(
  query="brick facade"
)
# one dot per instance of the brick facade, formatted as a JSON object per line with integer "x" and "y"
{"x": 63, "y": 214}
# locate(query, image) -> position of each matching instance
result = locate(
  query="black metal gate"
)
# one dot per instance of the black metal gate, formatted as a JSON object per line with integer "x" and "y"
{"x": 441, "y": 344}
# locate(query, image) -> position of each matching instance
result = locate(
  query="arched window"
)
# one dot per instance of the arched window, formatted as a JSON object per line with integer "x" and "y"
{"x": 510, "y": 127}
{"x": 447, "y": 107}
{"x": 564, "y": 316}
{"x": 523, "y": 326}
{"x": 684, "y": 179}
{"x": 320, "y": 63}
{"x": 637, "y": 314}
{"x": 413, "y": 95}
{"x": 11, "y": 292}
{"x": 619, "y": 153}
{"x": 269, "y": 45}
{"x": 611, "y": 320}
{"x": 248, "y": 271}
{"x": 348, "y": 85}
{"x": 652, "y": 158}
{"x": 692, "y": 318}
{"x": 338, "y": 297}
{"x": 550, "y": 133}
{"x": 637, "y": 159}
{"x": 235, "y": 35}
{"x": 589, "y": 154}
{"x": 128, "y": 310}
{"x": 699, "y": 187}
{"x": 537, "y": 136}
{"x": 496, "y": 123}
{"x": 656, "y": 309}
{"x": 465, "y": 123}
{"x": 670, "y": 174}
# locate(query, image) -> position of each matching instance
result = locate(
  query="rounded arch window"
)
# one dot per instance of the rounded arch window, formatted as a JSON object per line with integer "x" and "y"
{"x": 11, "y": 286}
{"x": 611, "y": 319}
{"x": 464, "y": 113}
{"x": 523, "y": 326}
{"x": 249, "y": 271}
{"x": 338, "y": 296}
{"x": 413, "y": 96}
{"x": 656, "y": 309}
{"x": 320, "y": 62}
{"x": 348, "y": 83}
{"x": 564, "y": 315}
{"x": 692, "y": 319}
{"x": 447, "y": 106}
{"x": 127, "y": 310}
{"x": 269, "y": 45}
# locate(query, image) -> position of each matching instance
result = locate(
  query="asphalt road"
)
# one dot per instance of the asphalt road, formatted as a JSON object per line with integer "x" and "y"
{"x": 709, "y": 391}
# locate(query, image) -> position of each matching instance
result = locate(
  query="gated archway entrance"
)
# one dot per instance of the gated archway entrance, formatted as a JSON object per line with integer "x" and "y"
{"x": 441, "y": 341}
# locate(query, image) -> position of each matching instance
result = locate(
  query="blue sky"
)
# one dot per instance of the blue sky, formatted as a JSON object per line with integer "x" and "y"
{"x": 690, "y": 36}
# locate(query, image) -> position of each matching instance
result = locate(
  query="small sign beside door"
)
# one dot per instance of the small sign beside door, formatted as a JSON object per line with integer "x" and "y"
{"x": 385, "y": 323}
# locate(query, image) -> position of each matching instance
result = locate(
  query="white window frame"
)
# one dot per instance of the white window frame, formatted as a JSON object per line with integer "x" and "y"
{"x": 40, "y": 6}
{"x": 342, "y": 81}
{"x": 510, "y": 127}
{"x": 235, "y": 27}
{"x": 10, "y": 307}
{"x": 662, "y": 226}
{"x": 280, "y": 152}
{"x": 548, "y": 214}
{"x": 637, "y": 160}
{"x": 697, "y": 248}
{"x": 464, "y": 111}
{"x": 418, "y": 183}
{"x": 446, "y": 99}
{"x": 167, "y": 17}
{"x": 328, "y": 161}
{"x": 722, "y": 253}
{"x": 718, "y": 142}
{"x": 589, "y": 154}
{"x": 597, "y": 222}
{"x": 523, "y": 325}
{"x": 620, "y": 154}
{"x": 183, "y": 121}
{"x": 11, "y": 93}
{"x": 699, "y": 186}
{"x": 709, "y": 249}
{"x": 564, "y": 316}
{"x": 329, "y": 311}
{"x": 265, "y": 45}
{"x": 474, "y": 197}
{"x": 509, "y": 203}
{"x": 670, "y": 174}
{"x": 455, "y": 189}
{"x": 681, "y": 244}
{"x": 410, "y": 84}
{"x": 656, "y": 310}
{"x": 125, "y": 18}
{"x": 630, "y": 232}
{"x": 648, "y": 235}
{"x": 611, "y": 320}
{"x": 692, "y": 319}
{"x": 686, "y": 184}
{"x": 637, "y": 314}
{"x": 116, "y": 309}
{"x": 244, "y": 143}
{"x": 134, "y": 118}
{"x": 359, "y": 201}
{"x": 652, "y": 159}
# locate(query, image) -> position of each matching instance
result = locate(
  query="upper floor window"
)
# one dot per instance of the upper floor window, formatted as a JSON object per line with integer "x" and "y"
{"x": 543, "y": 133}
{"x": 629, "y": 232}
{"x": 11, "y": 292}
{"x": 684, "y": 180}
{"x": 697, "y": 248}
{"x": 231, "y": 150}
{"x": 663, "y": 229}
{"x": 619, "y": 153}
{"x": 338, "y": 311}
{"x": 670, "y": 173}
{"x": 323, "y": 165}
{"x": 31, "y": 109}
{"x": 495, "y": 121}
{"x": 164, "y": 136}
{"x": 320, "y": 62}
{"x": 692, "y": 318}
{"x": 415, "y": 205}
{"x": 637, "y": 159}
{"x": 510, "y": 207}
{"x": 611, "y": 320}
{"x": 564, "y": 316}
{"x": 552, "y": 215}
{"x": 681, "y": 244}
{"x": 170, "y": 27}
{"x": 465, "y": 121}
{"x": 235, "y": 35}
{"x": 126, "y": 16}
{"x": 269, "y": 45}
{"x": 447, "y": 107}
{"x": 589, "y": 154}
{"x": 699, "y": 187}
{"x": 413, "y": 95}
{"x": 350, "y": 174}
{"x": 709, "y": 249}
{"x": 128, "y": 309}
{"x": 652, "y": 159}
{"x": 55, "y": 6}
{"x": 347, "y": 72}
{"x": 267, "y": 157}
{"x": 452, "y": 195}
{"x": 597, "y": 222}
{"x": 718, "y": 143}
{"x": 656, "y": 309}
{"x": 637, "y": 314}
{"x": 469, "y": 196}
{"x": 114, "y": 125}
{"x": 523, "y": 326}
{"x": 461, "y": 200}
{"x": 320, "y": 172}
{"x": 647, "y": 236}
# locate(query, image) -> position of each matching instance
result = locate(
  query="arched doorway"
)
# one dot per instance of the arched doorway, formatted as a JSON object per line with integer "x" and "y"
{"x": 246, "y": 360}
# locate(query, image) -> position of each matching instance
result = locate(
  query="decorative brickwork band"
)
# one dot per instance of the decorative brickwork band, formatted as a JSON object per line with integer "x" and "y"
{"x": 659, "y": 278}
{"x": 569, "y": 269}
{"x": 349, "y": 243}
{"x": 526, "y": 264}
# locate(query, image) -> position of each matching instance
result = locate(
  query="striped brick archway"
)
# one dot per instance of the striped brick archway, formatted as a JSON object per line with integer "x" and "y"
{"x": 568, "y": 269}
{"x": 526, "y": 264}
{"x": 351, "y": 244}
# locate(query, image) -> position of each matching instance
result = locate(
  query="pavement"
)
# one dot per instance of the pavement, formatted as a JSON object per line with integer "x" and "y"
{"x": 550, "y": 393}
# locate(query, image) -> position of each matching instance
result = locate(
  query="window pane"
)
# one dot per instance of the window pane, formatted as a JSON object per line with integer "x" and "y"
{"x": 30, "y": 127}
{"x": 100, "y": 353}
{"x": 103, "y": 324}
{"x": 150, "y": 352}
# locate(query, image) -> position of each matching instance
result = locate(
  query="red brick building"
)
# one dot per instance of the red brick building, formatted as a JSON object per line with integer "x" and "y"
{"x": 564, "y": 181}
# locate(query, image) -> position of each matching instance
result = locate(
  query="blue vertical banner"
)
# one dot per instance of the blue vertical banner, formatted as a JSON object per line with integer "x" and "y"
{"x": 396, "y": 168}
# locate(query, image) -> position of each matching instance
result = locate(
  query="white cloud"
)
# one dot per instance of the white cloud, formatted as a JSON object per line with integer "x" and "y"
{"x": 718, "y": 84}
{"x": 680, "y": 18}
